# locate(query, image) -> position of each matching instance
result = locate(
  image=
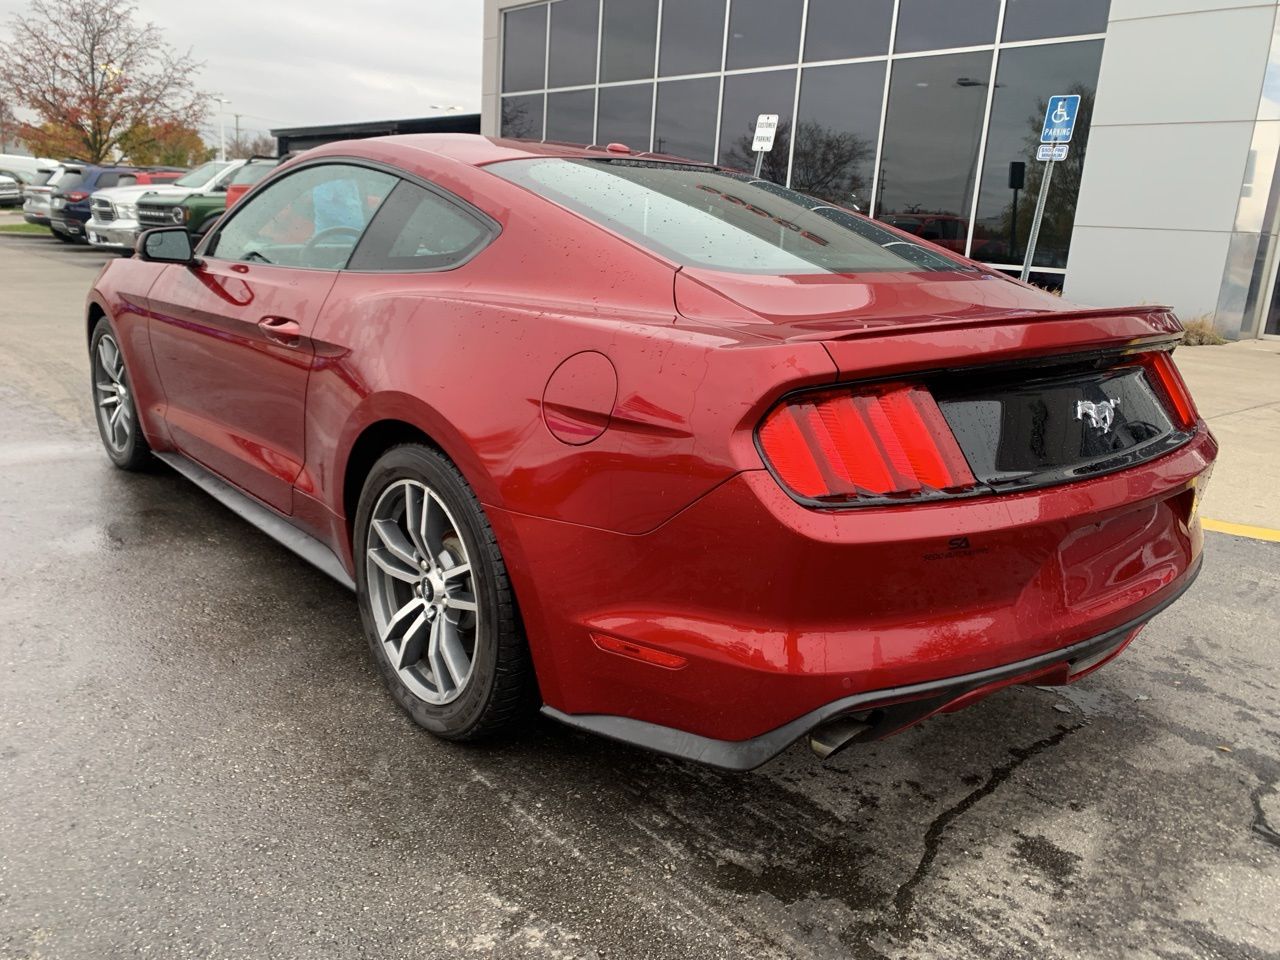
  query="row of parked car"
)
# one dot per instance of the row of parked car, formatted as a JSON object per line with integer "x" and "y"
{"x": 109, "y": 206}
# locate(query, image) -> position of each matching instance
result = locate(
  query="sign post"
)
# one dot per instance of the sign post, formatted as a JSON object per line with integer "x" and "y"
{"x": 1059, "y": 124}
{"x": 762, "y": 143}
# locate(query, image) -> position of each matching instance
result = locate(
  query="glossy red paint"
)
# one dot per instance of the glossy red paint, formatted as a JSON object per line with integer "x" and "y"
{"x": 603, "y": 404}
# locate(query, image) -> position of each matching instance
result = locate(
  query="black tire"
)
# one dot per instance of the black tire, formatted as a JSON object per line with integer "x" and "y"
{"x": 501, "y": 687}
{"x": 134, "y": 453}
{"x": 62, "y": 237}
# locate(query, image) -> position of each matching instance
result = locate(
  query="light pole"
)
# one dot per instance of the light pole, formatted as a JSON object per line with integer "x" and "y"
{"x": 222, "y": 128}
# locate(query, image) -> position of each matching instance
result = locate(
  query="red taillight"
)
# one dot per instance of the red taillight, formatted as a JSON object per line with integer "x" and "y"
{"x": 1171, "y": 384}
{"x": 77, "y": 196}
{"x": 889, "y": 441}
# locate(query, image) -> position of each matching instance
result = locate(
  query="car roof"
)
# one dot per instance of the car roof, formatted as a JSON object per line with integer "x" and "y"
{"x": 477, "y": 150}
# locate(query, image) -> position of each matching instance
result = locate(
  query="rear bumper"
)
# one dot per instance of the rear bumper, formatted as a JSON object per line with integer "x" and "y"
{"x": 774, "y": 612}
{"x": 40, "y": 219}
{"x": 886, "y": 711}
{"x": 66, "y": 227}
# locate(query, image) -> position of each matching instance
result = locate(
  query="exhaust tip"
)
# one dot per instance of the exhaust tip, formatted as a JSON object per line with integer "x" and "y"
{"x": 830, "y": 738}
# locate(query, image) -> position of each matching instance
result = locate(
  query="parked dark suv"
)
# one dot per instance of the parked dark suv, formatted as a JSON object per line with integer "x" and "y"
{"x": 69, "y": 206}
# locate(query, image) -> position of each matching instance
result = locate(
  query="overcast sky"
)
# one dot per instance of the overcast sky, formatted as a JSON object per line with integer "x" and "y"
{"x": 287, "y": 63}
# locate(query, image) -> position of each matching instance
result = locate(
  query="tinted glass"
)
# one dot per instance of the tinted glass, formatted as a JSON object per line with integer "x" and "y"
{"x": 931, "y": 144}
{"x": 938, "y": 24}
{"x": 418, "y": 230}
{"x": 574, "y": 24}
{"x": 252, "y": 172}
{"x": 836, "y": 134}
{"x": 524, "y": 48}
{"x": 522, "y": 117}
{"x": 570, "y": 116}
{"x": 701, "y": 217}
{"x": 624, "y": 115}
{"x": 1033, "y": 19}
{"x": 763, "y": 33}
{"x": 685, "y": 124}
{"x": 842, "y": 29}
{"x": 1023, "y": 77}
{"x": 69, "y": 180}
{"x": 311, "y": 218}
{"x": 630, "y": 35}
{"x": 746, "y": 96}
{"x": 692, "y": 37}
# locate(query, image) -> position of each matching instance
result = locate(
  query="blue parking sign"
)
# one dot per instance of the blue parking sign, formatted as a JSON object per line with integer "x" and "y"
{"x": 1060, "y": 118}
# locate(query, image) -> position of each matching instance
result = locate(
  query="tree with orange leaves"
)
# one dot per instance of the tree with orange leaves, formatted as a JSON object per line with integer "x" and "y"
{"x": 93, "y": 76}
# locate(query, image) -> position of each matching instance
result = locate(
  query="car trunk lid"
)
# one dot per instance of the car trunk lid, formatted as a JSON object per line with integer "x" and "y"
{"x": 1036, "y": 390}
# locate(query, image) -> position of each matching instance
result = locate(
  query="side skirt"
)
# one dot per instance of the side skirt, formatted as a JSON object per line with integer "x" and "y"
{"x": 264, "y": 518}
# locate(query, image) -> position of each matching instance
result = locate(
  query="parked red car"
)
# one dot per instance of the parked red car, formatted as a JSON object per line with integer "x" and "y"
{"x": 694, "y": 461}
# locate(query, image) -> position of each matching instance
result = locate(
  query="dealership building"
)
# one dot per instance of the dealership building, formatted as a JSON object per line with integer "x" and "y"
{"x": 927, "y": 114}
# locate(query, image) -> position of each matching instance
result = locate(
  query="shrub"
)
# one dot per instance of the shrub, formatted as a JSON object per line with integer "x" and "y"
{"x": 1202, "y": 332}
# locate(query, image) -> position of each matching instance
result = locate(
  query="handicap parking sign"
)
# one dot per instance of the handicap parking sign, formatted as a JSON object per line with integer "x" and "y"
{"x": 1060, "y": 118}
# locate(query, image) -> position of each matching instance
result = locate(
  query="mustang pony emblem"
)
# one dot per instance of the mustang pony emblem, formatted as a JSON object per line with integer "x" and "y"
{"x": 1100, "y": 415}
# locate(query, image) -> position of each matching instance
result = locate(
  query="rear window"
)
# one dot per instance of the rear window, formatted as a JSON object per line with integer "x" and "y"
{"x": 720, "y": 220}
{"x": 251, "y": 173}
{"x": 69, "y": 180}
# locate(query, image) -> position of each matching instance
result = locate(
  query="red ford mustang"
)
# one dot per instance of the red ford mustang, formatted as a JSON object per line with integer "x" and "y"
{"x": 691, "y": 460}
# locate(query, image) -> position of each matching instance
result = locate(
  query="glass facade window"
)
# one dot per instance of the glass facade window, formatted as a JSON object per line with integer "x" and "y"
{"x": 912, "y": 160}
{"x": 630, "y": 34}
{"x": 522, "y": 117}
{"x": 746, "y": 96}
{"x": 624, "y": 114}
{"x": 930, "y": 153}
{"x": 836, "y": 132}
{"x": 941, "y": 24}
{"x": 692, "y": 37}
{"x": 685, "y": 122}
{"x": 763, "y": 33}
{"x": 1038, "y": 19}
{"x": 572, "y": 52}
{"x": 844, "y": 29}
{"x": 571, "y": 116}
{"x": 524, "y": 48}
{"x": 1022, "y": 78}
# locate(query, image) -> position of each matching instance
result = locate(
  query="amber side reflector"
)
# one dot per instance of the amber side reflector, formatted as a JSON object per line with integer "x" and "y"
{"x": 1169, "y": 381}
{"x": 634, "y": 651}
{"x": 877, "y": 442}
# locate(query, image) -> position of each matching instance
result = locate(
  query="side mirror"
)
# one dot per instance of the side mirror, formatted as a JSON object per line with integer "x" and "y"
{"x": 166, "y": 245}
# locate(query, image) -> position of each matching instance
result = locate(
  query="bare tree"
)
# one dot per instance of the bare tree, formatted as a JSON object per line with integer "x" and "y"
{"x": 829, "y": 164}
{"x": 92, "y": 74}
{"x": 245, "y": 146}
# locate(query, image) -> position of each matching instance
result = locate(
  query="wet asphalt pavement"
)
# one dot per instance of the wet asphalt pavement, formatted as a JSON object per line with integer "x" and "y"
{"x": 197, "y": 759}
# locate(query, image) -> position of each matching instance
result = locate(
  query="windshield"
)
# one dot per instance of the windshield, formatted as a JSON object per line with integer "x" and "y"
{"x": 702, "y": 217}
{"x": 200, "y": 175}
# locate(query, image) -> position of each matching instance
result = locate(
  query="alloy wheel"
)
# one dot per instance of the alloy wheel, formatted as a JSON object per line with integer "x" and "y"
{"x": 111, "y": 391}
{"x": 422, "y": 591}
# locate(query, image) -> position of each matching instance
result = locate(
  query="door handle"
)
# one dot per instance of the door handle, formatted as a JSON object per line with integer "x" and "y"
{"x": 281, "y": 330}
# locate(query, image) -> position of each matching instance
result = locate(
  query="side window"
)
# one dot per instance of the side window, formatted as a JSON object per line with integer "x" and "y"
{"x": 312, "y": 218}
{"x": 419, "y": 230}
{"x": 125, "y": 180}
